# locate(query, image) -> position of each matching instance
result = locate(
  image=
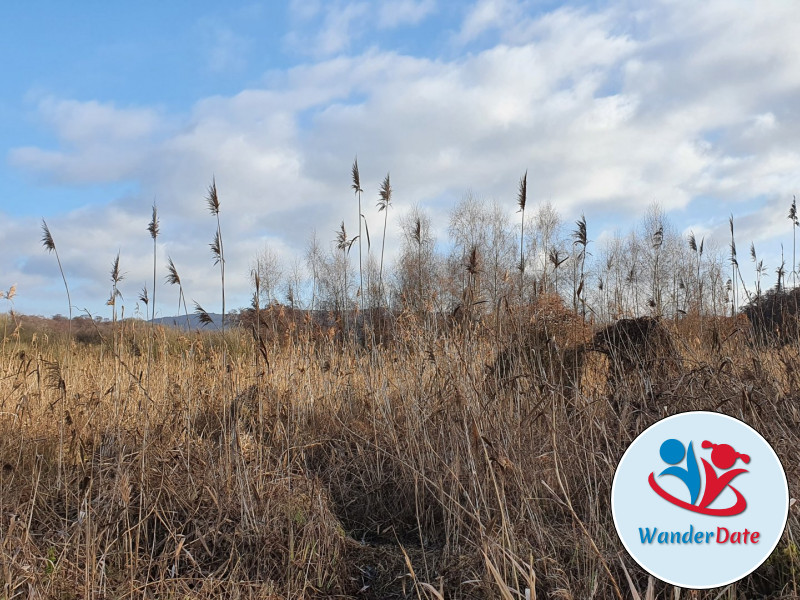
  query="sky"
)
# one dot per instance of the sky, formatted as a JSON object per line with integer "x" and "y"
{"x": 106, "y": 108}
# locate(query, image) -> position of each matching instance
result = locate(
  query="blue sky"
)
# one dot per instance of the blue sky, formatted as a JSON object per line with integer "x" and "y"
{"x": 610, "y": 106}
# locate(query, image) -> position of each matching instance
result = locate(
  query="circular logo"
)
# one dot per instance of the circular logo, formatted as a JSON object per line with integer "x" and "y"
{"x": 700, "y": 500}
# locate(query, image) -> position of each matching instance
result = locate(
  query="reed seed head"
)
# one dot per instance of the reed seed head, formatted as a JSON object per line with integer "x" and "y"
{"x": 153, "y": 227}
{"x": 385, "y": 200}
{"x": 172, "y": 273}
{"x": 116, "y": 274}
{"x": 473, "y": 261}
{"x": 216, "y": 248}
{"x": 47, "y": 239}
{"x": 202, "y": 315}
{"x": 580, "y": 235}
{"x": 212, "y": 200}
{"x": 341, "y": 238}
{"x": 356, "y": 178}
{"x": 658, "y": 237}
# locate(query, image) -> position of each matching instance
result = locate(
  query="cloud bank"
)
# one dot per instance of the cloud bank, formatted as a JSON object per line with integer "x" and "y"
{"x": 690, "y": 105}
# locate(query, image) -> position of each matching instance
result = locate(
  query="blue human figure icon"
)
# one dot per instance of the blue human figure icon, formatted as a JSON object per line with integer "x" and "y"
{"x": 672, "y": 453}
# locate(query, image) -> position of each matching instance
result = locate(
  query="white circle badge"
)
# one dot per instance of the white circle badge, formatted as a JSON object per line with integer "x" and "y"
{"x": 700, "y": 500}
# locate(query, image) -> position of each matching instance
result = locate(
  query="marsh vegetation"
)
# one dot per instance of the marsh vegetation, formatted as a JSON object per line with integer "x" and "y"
{"x": 445, "y": 428}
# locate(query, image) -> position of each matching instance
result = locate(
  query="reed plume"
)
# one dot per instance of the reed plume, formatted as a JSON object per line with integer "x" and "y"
{"x": 202, "y": 315}
{"x": 358, "y": 191}
{"x": 50, "y": 245}
{"x": 556, "y": 259}
{"x": 174, "y": 279}
{"x": 144, "y": 297}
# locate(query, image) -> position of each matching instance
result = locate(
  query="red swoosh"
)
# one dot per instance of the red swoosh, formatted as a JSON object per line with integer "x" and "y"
{"x": 736, "y": 509}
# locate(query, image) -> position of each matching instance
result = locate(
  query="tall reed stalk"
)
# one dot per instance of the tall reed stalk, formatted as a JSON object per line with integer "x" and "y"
{"x": 795, "y": 223}
{"x": 343, "y": 244}
{"x": 153, "y": 228}
{"x": 384, "y": 202}
{"x": 734, "y": 267}
{"x": 116, "y": 277}
{"x": 217, "y": 250}
{"x": 50, "y": 245}
{"x": 522, "y": 199}
{"x": 760, "y": 269}
{"x": 737, "y": 272}
{"x": 174, "y": 279}
{"x": 658, "y": 242}
{"x": 416, "y": 235}
{"x": 358, "y": 191}
{"x": 580, "y": 238}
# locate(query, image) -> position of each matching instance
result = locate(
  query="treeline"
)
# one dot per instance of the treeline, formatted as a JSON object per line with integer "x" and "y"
{"x": 489, "y": 261}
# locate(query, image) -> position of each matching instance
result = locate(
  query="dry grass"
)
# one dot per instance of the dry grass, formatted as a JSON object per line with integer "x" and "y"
{"x": 467, "y": 464}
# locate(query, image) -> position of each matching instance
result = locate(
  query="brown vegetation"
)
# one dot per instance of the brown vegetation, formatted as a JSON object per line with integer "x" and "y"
{"x": 341, "y": 470}
{"x": 450, "y": 430}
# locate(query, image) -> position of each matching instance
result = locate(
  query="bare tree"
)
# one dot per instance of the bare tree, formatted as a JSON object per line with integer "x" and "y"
{"x": 547, "y": 224}
{"x": 314, "y": 263}
{"x": 293, "y": 285}
{"x": 415, "y": 270}
{"x": 467, "y": 233}
{"x": 611, "y": 277}
{"x": 499, "y": 254}
{"x": 662, "y": 252}
{"x": 270, "y": 270}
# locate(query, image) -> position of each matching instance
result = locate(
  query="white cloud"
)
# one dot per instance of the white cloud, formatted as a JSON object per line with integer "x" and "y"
{"x": 100, "y": 142}
{"x": 486, "y": 15}
{"x": 305, "y": 9}
{"x": 608, "y": 110}
{"x": 323, "y": 30}
{"x": 342, "y": 23}
{"x": 395, "y": 13}
{"x": 227, "y": 51}
{"x": 78, "y": 122}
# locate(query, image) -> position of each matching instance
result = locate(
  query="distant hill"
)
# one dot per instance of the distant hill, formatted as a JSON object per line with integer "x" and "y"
{"x": 194, "y": 321}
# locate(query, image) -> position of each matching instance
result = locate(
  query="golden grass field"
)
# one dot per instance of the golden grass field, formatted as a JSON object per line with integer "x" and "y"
{"x": 437, "y": 460}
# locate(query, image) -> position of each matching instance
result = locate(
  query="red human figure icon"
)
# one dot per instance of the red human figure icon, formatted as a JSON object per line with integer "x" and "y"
{"x": 724, "y": 457}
